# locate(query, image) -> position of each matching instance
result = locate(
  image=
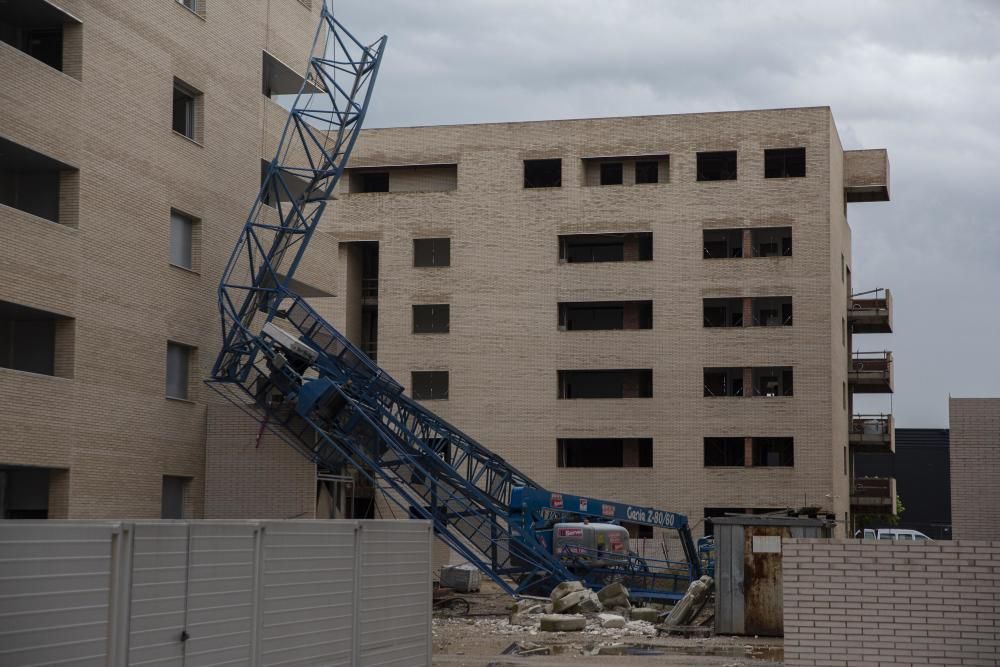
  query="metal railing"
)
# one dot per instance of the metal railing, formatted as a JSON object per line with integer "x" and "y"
{"x": 871, "y": 361}
{"x": 871, "y": 425}
{"x": 369, "y": 288}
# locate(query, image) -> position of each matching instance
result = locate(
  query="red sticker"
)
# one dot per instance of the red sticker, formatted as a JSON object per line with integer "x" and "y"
{"x": 608, "y": 510}
{"x": 557, "y": 501}
{"x": 570, "y": 532}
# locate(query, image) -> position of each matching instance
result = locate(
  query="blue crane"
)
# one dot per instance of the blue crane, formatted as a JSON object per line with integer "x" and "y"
{"x": 298, "y": 376}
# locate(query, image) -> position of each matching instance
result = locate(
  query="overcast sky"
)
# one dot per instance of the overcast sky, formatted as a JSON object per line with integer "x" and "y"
{"x": 919, "y": 78}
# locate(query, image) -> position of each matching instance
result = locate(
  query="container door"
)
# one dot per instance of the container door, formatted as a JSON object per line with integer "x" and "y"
{"x": 762, "y": 580}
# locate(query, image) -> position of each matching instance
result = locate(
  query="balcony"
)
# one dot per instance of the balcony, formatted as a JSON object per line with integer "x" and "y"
{"x": 875, "y": 433}
{"x": 866, "y": 175}
{"x": 871, "y": 312}
{"x": 871, "y": 373}
{"x": 874, "y": 495}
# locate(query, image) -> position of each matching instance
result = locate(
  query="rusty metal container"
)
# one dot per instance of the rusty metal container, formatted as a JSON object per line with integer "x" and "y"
{"x": 748, "y": 570}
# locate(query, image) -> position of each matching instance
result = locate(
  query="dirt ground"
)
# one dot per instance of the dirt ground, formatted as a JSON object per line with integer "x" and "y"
{"x": 485, "y": 638}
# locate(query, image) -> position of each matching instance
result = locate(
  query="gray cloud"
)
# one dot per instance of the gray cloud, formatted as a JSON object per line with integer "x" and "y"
{"x": 919, "y": 77}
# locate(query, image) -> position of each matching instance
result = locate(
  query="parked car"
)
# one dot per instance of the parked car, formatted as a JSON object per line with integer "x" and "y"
{"x": 902, "y": 534}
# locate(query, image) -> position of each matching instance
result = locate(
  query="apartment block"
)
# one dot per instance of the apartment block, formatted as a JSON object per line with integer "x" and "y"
{"x": 130, "y": 151}
{"x": 974, "y": 448}
{"x": 657, "y": 310}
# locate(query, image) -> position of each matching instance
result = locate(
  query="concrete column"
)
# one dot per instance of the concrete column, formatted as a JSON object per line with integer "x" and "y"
{"x": 748, "y": 452}
{"x": 631, "y": 250}
{"x": 747, "y": 242}
{"x": 631, "y": 315}
{"x": 747, "y": 311}
{"x": 747, "y": 382}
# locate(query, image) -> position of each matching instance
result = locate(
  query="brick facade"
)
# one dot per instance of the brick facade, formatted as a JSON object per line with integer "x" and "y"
{"x": 974, "y": 449}
{"x": 857, "y": 604}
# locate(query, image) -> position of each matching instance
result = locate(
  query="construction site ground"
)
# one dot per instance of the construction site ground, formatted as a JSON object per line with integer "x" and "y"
{"x": 484, "y": 638}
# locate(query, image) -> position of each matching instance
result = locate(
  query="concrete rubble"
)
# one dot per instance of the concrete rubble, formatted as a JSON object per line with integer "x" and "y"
{"x": 692, "y": 602}
{"x": 562, "y": 623}
{"x": 611, "y": 620}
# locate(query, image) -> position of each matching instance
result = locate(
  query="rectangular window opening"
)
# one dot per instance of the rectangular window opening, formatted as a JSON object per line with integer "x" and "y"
{"x": 182, "y": 240}
{"x": 626, "y": 383}
{"x": 36, "y": 341}
{"x": 723, "y": 382}
{"x": 38, "y": 184}
{"x": 771, "y": 241}
{"x": 723, "y": 312}
{"x": 772, "y": 381}
{"x": 784, "y": 162}
{"x": 43, "y": 31}
{"x": 543, "y": 173}
{"x": 724, "y": 452}
{"x": 173, "y": 490}
{"x": 187, "y": 103}
{"x": 611, "y": 173}
{"x": 722, "y": 243}
{"x": 431, "y": 318}
{"x": 647, "y": 171}
{"x": 585, "y": 248}
{"x": 717, "y": 166}
{"x": 432, "y": 252}
{"x": 772, "y": 311}
{"x": 179, "y": 362}
{"x": 605, "y": 452}
{"x": 605, "y": 315}
{"x": 429, "y": 385}
{"x": 773, "y": 452}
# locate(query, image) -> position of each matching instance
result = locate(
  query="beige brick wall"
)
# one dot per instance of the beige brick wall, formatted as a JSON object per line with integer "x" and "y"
{"x": 107, "y": 424}
{"x": 854, "y": 603}
{"x": 505, "y": 281}
{"x": 974, "y": 449}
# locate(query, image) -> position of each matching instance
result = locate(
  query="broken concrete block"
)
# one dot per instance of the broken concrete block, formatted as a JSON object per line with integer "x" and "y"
{"x": 526, "y": 607}
{"x": 569, "y": 601}
{"x": 565, "y": 588}
{"x": 692, "y": 602}
{"x": 644, "y": 614}
{"x": 614, "y": 595}
{"x": 590, "y": 604}
{"x": 563, "y": 623}
{"x": 522, "y": 619}
{"x": 547, "y": 609}
{"x": 611, "y": 620}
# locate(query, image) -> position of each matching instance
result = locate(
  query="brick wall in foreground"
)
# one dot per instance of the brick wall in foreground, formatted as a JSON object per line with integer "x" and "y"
{"x": 848, "y": 602}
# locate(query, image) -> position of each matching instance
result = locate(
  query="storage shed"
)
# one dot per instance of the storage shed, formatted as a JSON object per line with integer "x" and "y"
{"x": 748, "y": 570}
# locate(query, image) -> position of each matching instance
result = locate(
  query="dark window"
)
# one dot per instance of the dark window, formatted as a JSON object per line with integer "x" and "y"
{"x": 772, "y": 381}
{"x": 647, "y": 172}
{"x": 638, "y": 530}
{"x": 24, "y": 492}
{"x": 773, "y": 452}
{"x": 543, "y": 173}
{"x": 373, "y": 181}
{"x": 771, "y": 242}
{"x": 36, "y": 30}
{"x": 431, "y": 252}
{"x": 432, "y": 318}
{"x": 784, "y": 162}
{"x": 605, "y": 452}
{"x": 611, "y": 173}
{"x": 630, "y": 383}
{"x": 722, "y": 243}
{"x": 598, "y": 315}
{"x": 430, "y": 385}
{"x": 185, "y": 117}
{"x": 28, "y": 339}
{"x": 172, "y": 497}
{"x": 724, "y": 452}
{"x": 717, "y": 166}
{"x": 723, "y": 312}
{"x": 178, "y": 369}
{"x": 636, "y": 247}
{"x": 193, "y": 5}
{"x": 772, "y": 311}
{"x": 716, "y": 512}
{"x": 723, "y": 381}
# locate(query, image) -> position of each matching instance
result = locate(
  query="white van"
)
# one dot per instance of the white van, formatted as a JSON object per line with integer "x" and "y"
{"x": 901, "y": 534}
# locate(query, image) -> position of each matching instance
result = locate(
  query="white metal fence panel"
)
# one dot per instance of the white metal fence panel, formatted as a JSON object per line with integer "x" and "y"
{"x": 307, "y": 608}
{"x": 394, "y": 605}
{"x": 55, "y": 593}
{"x": 207, "y": 593}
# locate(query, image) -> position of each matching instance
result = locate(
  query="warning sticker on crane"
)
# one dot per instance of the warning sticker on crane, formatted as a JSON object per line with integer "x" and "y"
{"x": 569, "y": 532}
{"x": 583, "y": 504}
{"x": 557, "y": 501}
{"x": 608, "y": 510}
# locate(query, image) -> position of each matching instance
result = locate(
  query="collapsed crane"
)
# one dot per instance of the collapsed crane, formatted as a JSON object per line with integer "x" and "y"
{"x": 298, "y": 376}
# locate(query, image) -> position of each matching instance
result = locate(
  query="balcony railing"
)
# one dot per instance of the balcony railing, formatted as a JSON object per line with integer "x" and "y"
{"x": 873, "y": 432}
{"x": 871, "y": 372}
{"x": 369, "y": 288}
{"x": 874, "y": 495}
{"x": 871, "y": 312}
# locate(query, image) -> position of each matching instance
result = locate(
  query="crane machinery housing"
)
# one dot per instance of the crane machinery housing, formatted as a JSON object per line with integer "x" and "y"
{"x": 298, "y": 376}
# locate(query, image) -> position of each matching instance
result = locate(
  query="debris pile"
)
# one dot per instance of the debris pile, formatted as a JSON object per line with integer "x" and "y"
{"x": 692, "y": 602}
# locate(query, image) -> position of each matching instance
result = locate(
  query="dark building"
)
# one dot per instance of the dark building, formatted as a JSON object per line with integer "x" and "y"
{"x": 923, "y": 483}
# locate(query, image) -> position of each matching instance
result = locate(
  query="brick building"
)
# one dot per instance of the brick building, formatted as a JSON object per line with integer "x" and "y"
{"x": 975, "y": 467}
{"x": 130, "y": 150}
{"x": 654, "y": 309}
